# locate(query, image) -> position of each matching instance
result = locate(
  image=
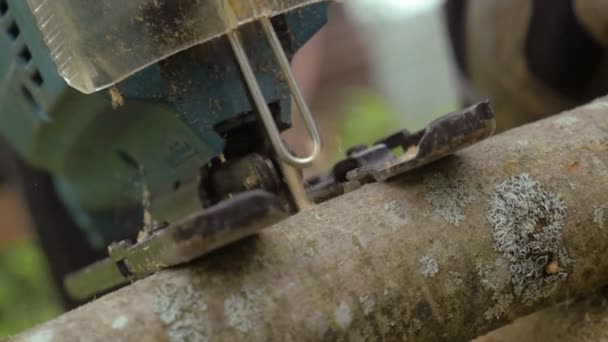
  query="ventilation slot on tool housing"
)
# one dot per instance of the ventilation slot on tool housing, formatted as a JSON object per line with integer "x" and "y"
{"x": 35, "y": 79}
{"x": 25, "y": 55}
{"x": 13, "y": 31}
{"x": 36, "y": 109}
{"x": 3, "y": 7}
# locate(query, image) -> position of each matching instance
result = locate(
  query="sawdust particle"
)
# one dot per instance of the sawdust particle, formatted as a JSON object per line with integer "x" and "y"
{"x": 574, "y": 167}
{"x": 411, "y": 153}
{"x": 116, "y": 97}
{"x": 552, "y": 267}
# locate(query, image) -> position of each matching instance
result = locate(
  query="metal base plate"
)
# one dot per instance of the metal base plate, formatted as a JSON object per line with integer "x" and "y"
{"x": 231, "y": 220}
{"x": 443, "y": 137}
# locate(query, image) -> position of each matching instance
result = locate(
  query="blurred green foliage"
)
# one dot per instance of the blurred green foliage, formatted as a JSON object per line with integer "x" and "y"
{"x": 26, "y": 296}
{"x": 368, "y": 118}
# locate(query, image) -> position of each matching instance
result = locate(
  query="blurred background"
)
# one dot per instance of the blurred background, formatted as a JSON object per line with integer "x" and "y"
{"x": 378, "y": 66}
{"x": 27, "y": 296}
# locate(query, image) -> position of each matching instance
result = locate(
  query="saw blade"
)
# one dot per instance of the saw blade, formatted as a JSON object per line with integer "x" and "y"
{"x": 231, "y": 220}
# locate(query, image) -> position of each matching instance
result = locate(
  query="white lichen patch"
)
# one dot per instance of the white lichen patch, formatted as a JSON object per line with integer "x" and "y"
{"x": 237, "y": 312}
{"x": 489, "y": 278}
{"x": 318, "y": 216}
{"x": 503, "y": 303}
{"x": 600, "y": 166}
{"x": 45, "y": 335}
{"x": 396, "y": 213}
{"x": 567, "y": 121}
{"x": 430, "y": 266}
{"x": 180, "y": 308}
{"x": 599, "y": 214}
{"x": 455, "y": 282}
{"x": 527, "y": 225}
{"x": 120, "y": 322}
{"x": 241, "y": 309}
{"x": 367, "y": 304}
{"x": 449, "y": 197}
{"x": 343, "y": 316}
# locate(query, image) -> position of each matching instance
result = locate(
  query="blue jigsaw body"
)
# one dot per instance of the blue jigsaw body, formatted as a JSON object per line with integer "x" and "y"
{"x": 149, "y": 133}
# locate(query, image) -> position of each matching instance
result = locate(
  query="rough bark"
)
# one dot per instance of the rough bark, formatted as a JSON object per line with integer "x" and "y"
{"x": 582, "y": 320}
{"x": 418, "y": 258}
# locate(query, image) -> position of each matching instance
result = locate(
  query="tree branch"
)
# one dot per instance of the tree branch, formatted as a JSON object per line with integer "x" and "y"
{"x": 451, "y": 252}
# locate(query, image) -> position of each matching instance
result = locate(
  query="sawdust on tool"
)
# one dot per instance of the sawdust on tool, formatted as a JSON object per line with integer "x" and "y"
{"x": 116, "y": 97}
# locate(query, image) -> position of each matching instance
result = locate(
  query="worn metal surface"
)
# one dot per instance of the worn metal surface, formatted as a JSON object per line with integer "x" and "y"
{"x": 203, "y": 232}
{"x": 156, "y": 128}
{"x": 139, "y": 33}
{"x": 418, "y": 258}
{"x": 441, "y": 138}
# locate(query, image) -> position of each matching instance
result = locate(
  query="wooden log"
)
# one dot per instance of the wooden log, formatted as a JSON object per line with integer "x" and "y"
{"x": 448, "y": 252}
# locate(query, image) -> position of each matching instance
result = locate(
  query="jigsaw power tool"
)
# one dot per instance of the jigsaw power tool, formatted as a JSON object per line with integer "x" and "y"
{"x": 160, "y": 121}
